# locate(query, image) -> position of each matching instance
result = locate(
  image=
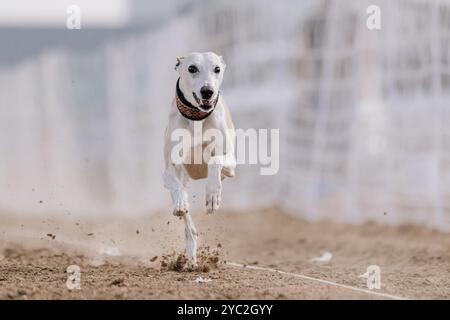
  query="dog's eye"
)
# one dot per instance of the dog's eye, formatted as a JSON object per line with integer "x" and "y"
{"x": 217, "y": 69}
{"x": 193, "y": 69}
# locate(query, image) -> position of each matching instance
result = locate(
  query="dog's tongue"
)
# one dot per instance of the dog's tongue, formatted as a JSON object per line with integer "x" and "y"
{"x": 207, "y": 103}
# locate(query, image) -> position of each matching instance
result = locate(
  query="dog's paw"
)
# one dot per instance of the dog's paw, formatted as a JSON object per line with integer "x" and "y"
{"x": 191, "y": 265}
{"x": 213, "y": 197}
{"x": 181, "y": 206}
{"x": 228, "y": 172}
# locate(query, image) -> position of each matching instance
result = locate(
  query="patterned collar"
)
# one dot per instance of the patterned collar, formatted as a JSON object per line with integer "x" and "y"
{"x": 188, "y": 110}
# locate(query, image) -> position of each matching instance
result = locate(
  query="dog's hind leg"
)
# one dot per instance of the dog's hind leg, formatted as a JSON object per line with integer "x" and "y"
{"x": 191, "y": 238}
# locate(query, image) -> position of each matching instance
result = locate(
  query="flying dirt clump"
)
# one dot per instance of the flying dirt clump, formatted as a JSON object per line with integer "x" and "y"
{"x": 207, "y": 259}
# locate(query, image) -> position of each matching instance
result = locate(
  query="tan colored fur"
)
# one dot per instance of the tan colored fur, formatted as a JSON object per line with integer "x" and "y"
{"x": 200, "y": 171}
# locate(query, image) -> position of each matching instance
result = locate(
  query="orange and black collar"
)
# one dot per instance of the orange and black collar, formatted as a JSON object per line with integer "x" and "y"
{"x": 188, "y": 110}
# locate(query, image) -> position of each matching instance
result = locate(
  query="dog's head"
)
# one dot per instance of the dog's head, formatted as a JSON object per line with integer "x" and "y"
{"x": 201, "y": 75}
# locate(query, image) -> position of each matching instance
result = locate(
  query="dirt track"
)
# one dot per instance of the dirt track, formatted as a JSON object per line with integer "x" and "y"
{"x": 414, "y": 262}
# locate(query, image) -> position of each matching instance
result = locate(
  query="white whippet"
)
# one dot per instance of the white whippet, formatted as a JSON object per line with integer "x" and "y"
{"x": 198, "y": 102}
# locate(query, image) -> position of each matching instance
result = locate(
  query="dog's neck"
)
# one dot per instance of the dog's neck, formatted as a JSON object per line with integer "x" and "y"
{"x": 187, "y": 109}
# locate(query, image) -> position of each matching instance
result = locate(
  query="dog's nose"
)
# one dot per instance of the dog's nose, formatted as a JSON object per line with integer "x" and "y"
{"x": 206, "y": 92}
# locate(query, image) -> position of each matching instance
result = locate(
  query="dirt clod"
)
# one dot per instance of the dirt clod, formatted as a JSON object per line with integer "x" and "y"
{"x": 207, "y": 260}
{"x": 118, "y": 282}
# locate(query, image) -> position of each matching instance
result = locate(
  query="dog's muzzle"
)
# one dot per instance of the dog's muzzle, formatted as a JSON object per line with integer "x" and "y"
{"x": 191, "y": 112}
{"x": 204, "y": 104}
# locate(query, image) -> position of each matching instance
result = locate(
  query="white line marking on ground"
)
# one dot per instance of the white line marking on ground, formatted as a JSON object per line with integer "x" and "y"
{"x": 367, "y": 291}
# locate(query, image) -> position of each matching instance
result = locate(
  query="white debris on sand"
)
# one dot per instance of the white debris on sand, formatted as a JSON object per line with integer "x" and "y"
{"x": 202, "y": 280}
{"x": 110, "y": 251}
{"x": 326, "y": 257}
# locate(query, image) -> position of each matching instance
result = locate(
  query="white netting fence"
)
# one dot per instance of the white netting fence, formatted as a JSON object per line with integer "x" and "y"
{"x": 362, "y": 114}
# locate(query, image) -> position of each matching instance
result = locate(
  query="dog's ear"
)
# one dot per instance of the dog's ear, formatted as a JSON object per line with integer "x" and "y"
{"x": 179, "y": 61}
{"x": 224, "y": 65}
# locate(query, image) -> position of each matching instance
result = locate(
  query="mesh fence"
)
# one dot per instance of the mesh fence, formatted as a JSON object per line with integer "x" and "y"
{"x": 362, "y": 113}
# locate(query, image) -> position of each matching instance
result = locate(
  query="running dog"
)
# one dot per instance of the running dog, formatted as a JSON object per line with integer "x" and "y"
{"x": 198, "y": 101}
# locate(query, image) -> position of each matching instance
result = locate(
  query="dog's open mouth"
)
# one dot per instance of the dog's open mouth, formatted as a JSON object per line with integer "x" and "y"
{"x": 204, "y": 104}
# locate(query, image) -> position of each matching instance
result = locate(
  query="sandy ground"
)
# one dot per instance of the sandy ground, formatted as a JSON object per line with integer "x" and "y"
{"x": 124, "y": 259}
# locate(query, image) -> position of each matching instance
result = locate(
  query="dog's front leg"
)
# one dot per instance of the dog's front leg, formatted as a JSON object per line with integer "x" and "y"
{"x": 214, "y": 184}
{"x": 175, "y": 179}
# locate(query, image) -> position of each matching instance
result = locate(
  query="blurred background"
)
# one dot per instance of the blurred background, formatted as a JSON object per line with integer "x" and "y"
{"x": 363, "y": 114}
